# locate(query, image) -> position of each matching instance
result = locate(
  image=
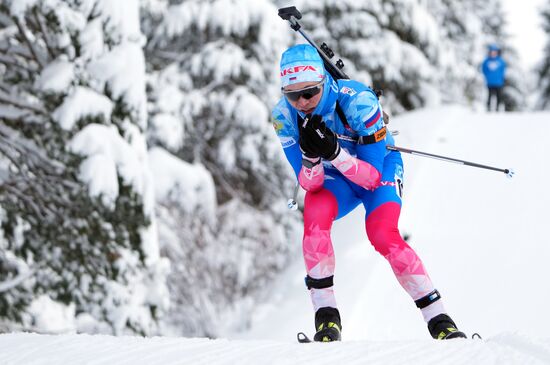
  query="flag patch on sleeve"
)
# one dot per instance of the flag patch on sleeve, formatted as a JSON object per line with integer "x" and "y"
{"x": 373, "y": 117}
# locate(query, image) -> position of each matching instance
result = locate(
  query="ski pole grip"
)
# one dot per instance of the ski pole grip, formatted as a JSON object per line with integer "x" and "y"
{"x": 291, "y": 11}
{"x": 292, "y": 15}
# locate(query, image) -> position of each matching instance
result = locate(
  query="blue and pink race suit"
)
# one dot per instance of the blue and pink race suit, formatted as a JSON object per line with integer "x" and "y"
{"x": 362, "y": 173}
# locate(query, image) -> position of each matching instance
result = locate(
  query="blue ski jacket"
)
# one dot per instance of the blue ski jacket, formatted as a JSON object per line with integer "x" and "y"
{"x": 362, "y": 109}
{"x": 494, "y": 69}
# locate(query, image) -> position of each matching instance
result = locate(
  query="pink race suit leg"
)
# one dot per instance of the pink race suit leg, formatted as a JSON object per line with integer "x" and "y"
{"x": 381, "y": 225}
{"x": 320, "y": 210}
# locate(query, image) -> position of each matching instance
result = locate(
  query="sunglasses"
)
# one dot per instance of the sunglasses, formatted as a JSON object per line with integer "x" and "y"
{"x": 306, "y": 93}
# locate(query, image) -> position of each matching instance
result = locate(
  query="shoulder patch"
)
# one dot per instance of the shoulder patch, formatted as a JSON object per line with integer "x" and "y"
{"x": 277, "y": 125}
{"x": 348, "y": 90}
{"x": 373, "y": 117}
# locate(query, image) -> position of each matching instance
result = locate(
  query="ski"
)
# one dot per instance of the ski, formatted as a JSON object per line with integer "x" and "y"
{"x": 302, "y": 338}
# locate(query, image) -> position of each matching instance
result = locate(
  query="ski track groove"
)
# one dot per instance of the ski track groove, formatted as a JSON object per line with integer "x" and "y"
{"x": 246, "y": 353}
{"x": 27, "y": 351}
{"x": 378, "y": 353}
{"x": 201, "y": 352}
{"x": 241, "y": 355}
{"x": 163, "y": 354}
{"x": 505, "y": 349}
{"x": 414, "y": 352}
{"x": 540, "y": 353}
{"x": 114, "y": 353}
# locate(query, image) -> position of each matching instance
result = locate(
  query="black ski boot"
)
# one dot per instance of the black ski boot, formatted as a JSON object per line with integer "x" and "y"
{"x": 327, "y": 325}
{"x": 442, "y": 327}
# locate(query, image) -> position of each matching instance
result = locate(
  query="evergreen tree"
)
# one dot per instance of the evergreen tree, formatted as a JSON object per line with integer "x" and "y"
{"x": 75, "y": 207}
{"x": 214, "y": 78}
{"x": 544, "y": 68}
{"x": 462, "y": 48}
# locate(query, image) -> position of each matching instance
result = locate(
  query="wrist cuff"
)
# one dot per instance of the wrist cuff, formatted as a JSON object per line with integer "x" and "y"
{"x": 336, "y": 153}
{"x": 341, "y": 156}
{"x": 310, "y": 162}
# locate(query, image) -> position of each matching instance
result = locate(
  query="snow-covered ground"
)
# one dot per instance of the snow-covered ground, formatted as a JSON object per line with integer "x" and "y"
{"x": 34, "y": 349}
{"x": 483, "y": 238}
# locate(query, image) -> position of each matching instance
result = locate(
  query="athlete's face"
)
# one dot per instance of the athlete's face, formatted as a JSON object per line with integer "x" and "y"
{"x": 304, "y": 96}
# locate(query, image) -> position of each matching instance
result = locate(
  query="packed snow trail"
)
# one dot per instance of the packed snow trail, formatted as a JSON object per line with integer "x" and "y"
{"x": 23, "y": 349}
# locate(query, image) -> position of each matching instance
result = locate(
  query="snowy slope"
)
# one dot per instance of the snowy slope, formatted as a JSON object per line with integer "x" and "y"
{"x": 483, "y": 238}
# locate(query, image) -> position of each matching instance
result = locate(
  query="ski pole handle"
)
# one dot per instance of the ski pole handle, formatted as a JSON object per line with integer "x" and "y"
{"x": 291, "y": 14}
{"x": 509, "y": 172}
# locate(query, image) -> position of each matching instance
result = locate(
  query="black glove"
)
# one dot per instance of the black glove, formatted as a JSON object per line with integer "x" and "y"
{"x": 316, "y": 139}
{"x": 308, "y": 149}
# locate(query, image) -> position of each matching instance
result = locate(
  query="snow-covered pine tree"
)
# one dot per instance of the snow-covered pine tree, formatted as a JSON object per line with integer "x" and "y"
{"x": 544, "y": 66}
{"x": 76, "y": 205}
{"x": 461, "y": 49}
{"x": 224, "y": 182}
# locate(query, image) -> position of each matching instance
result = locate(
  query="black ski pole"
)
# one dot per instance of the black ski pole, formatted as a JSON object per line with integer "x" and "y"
{"x": 509, "y": 172}
{"x": 292, "y": 15}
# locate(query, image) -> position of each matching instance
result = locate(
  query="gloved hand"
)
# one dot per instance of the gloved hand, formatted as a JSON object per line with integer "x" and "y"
{"x": 316, "y": 139}
{"x": 308, "y": 149}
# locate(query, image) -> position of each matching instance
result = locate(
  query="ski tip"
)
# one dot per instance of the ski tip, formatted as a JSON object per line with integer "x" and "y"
{"x": 476, "y": 336}
{"x": 302, "y": 338}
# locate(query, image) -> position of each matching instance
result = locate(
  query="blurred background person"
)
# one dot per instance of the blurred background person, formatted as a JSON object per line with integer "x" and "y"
{"x": 494, "y": 70}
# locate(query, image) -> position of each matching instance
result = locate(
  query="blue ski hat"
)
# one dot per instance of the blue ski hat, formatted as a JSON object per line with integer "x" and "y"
{"x": 493, "y": 47}
{"x": 301, "y": 63}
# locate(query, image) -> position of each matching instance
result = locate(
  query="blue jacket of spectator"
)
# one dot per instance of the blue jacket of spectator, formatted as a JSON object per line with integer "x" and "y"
{"x": 494, "y": 69}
